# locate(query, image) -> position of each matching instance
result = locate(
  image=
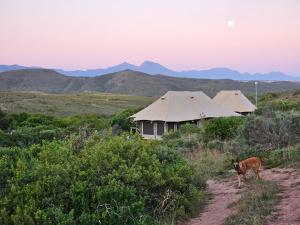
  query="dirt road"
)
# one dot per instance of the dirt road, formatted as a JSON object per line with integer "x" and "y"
{"x": 226, "y": 193}
{"x": 288, "y": 210}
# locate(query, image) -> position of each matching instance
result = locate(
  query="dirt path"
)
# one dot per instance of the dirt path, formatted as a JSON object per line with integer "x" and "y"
{"x": 225, "y": 193}
{"x": 288, "y": 210}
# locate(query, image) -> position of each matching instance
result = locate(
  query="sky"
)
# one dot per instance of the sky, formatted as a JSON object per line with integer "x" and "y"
{"x": 246, "y": 35}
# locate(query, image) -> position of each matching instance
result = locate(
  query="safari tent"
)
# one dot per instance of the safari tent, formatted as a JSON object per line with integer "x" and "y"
{"x": 235, "y": 100}
{"x": 173, "y": 109}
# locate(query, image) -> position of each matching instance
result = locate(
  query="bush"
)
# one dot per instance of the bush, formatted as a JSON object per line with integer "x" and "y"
{"x": 190, "y": 129}
{"x": 4, "y": 120}
{"x": 217, "y": 145}
{"x": 283, "y": 156}
{"x": 285, "y": 105}
{"x": 123, "y": 119}
{"x": 185, "y": 140}
{"x": 27, "y": 129}
{"x": 5, "y": 139}
{"x": 222, "y": 128}
{"x": 268, "y": 97}
{"x": 270, "y": 133}
{"x": 111, "y": 180}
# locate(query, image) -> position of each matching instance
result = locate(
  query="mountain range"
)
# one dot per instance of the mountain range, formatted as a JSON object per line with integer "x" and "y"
{"x": 127, "y": 82}
{"x": 153, "y": 68}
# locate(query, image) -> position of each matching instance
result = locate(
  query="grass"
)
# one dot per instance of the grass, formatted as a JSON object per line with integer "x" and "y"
{"x": 257, "y": 202}
{"x": 285, "y": 157}
{"x": 210, "y": 164}
{"x": 69, "y": 104}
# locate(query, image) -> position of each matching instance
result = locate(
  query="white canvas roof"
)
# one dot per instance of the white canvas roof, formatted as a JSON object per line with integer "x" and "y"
{"x": 234, "y": 100}
{"x": 183, "y": 106}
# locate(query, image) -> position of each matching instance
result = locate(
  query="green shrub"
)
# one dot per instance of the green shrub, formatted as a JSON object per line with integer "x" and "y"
{"x": 268, "y": 97}
{"x": 5, "y": 139}
{"x": 285, "y": 105}
{"x": 112, "y": 180}
{"x": 271, "y": 133}
{"x": 183, "y": 141}
{"x": 217, "y": 145}
{"x": 190, "y": 129}
{"x": 251, "y": 152}
{"x": 123, "y": 119}
{"x": 222, "y": 128}
{"x": 4, "y": 120}
{"x": 283, "y": 156}
{"x": 26, "y": 129}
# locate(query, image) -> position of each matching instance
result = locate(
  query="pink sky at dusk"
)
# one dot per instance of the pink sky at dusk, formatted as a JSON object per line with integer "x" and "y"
{"x": 180, "y": 34}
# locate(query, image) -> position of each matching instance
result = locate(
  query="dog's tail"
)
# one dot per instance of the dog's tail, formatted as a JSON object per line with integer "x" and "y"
{"x": 263, "y": 162}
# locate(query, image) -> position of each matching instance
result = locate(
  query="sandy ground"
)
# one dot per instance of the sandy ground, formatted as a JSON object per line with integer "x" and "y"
{"x": 288, "y": 210}
{"x": 225, "y": 193}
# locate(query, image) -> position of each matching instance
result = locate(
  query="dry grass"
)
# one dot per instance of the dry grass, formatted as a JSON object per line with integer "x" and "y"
{"x": 258, "y": 201}
{"x": 209, "y": 163}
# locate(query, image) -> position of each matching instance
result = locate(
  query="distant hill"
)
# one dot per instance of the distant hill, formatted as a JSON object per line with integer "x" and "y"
{"x": 153, "y": 68}
{"x": 126, "y": 82}
{"x": 4, "y": 68}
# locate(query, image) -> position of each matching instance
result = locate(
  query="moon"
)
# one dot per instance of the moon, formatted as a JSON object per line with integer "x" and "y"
{"x": 230, "y": 23}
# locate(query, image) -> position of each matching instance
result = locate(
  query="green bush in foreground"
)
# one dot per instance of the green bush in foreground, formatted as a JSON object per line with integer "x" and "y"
{"x": 112, "y": 180}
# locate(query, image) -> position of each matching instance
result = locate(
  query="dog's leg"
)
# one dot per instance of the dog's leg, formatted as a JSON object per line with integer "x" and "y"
{"x": 256, "y": 171}
{"x": 257, "y": 174}
{"x": 239, "y": 179}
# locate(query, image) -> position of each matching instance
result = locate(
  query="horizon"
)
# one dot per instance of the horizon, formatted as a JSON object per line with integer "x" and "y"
{"x": 253, "y": 37}
{"x": 125, "y": 62}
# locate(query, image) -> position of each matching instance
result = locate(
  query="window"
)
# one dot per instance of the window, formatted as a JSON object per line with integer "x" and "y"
{"x": 148, "y": 128}
{"x": 171, "y": 126}
{"x": 160, "y": 127}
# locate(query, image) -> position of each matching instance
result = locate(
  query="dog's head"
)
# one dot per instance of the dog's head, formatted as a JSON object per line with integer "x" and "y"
{"x": 236, "y": 165}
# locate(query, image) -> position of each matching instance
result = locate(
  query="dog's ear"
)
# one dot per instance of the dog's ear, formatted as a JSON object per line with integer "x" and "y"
{"x": 237, "y": 159}
{"x": 232, "y": 161}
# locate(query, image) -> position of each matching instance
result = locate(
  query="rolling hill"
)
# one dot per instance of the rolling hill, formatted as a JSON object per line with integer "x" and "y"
{"x": 126, "y": 82}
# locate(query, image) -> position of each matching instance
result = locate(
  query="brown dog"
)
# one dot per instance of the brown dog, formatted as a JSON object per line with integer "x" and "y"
{"x": 242, "y": 167}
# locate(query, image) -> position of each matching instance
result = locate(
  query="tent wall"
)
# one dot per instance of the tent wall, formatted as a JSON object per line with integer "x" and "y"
{"x": 155, "y": 129}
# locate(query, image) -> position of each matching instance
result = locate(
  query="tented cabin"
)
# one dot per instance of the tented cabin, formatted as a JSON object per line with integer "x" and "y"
{"x": 236, "y": 101}
{"x": 173, "y": 109}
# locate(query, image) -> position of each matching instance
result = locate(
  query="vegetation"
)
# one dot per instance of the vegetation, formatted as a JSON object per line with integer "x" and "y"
{"x": 64, "y": 170}
{"x": 122, "y": 119}
{"x": 114, "y": 180}
{"x": 73, "y": 170}
{"x": 27, "y": 129}
{"x": 256, "y": 203}
{"x": 222, "y": 128}
{"x": 70, "y": 104}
